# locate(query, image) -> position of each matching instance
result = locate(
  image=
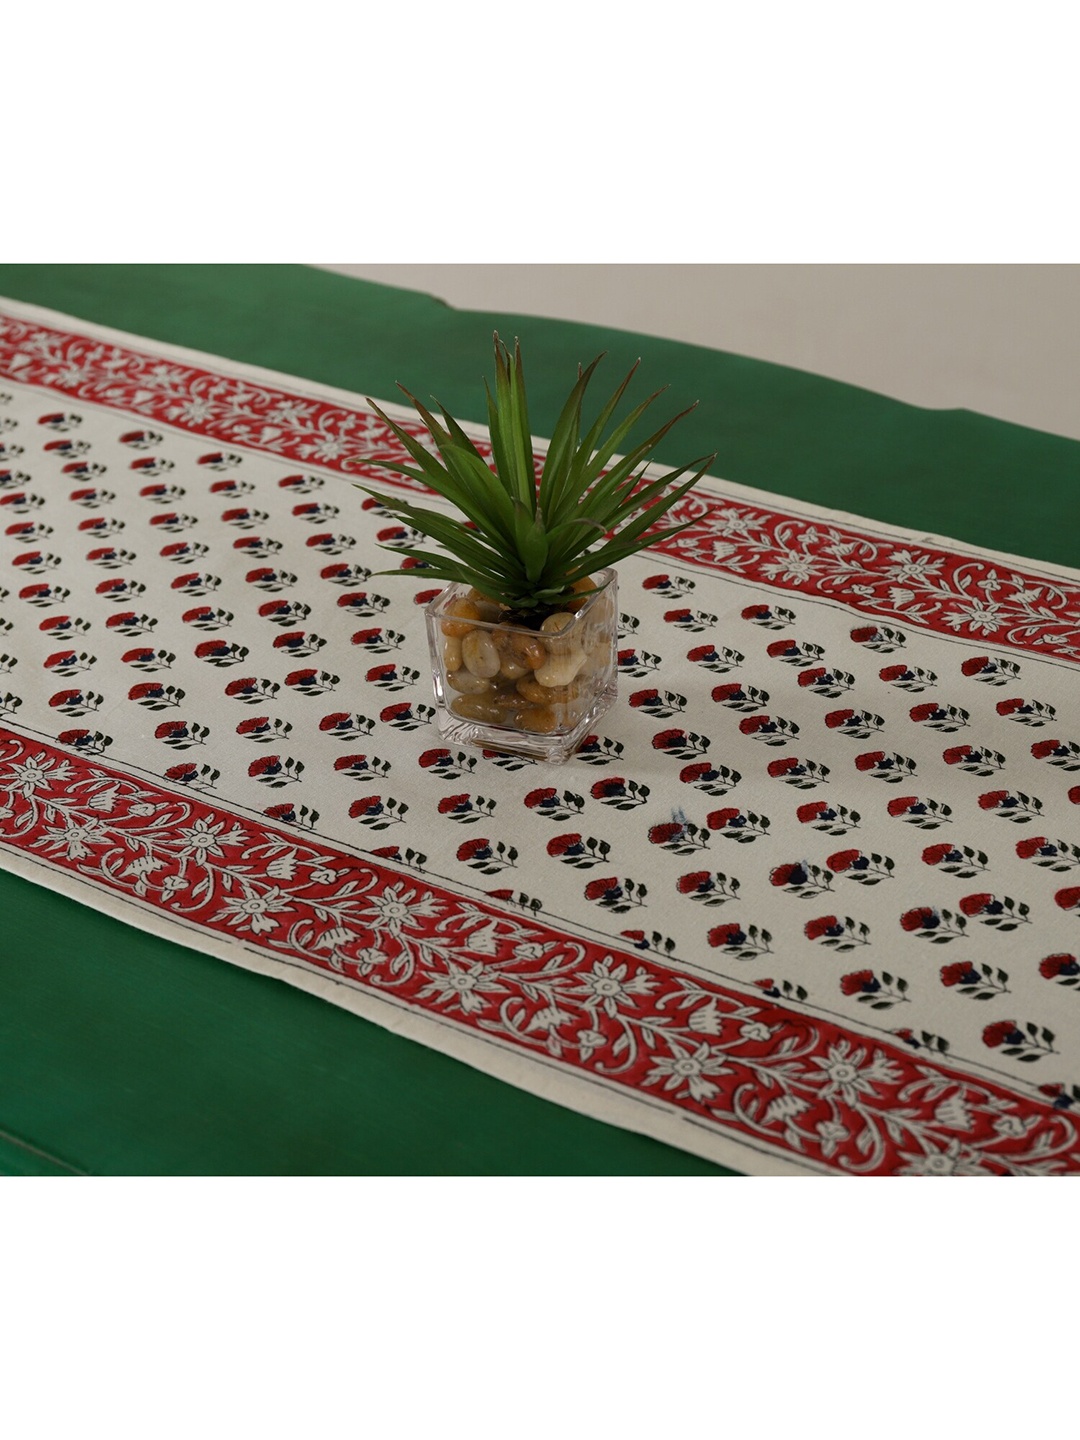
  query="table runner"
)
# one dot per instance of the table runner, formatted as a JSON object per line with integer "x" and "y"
{"x": 618, "y": 983}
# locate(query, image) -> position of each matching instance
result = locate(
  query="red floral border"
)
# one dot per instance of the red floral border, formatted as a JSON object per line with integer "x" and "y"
{"x": 792, "y": 1084}
{"x": 928, "y": 586}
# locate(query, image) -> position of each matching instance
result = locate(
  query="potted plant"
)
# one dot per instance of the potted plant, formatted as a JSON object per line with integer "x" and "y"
{"x": 523, "y": 639}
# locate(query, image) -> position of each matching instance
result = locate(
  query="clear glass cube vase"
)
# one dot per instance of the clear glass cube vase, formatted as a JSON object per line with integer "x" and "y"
{"x": 504, "y": 685}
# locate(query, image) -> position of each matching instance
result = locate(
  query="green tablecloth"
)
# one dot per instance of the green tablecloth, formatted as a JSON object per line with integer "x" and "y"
{"x": 123, "y": 1054}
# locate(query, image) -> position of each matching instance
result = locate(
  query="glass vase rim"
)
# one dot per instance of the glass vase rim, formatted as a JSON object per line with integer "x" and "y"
{"x": 458, "y": 590}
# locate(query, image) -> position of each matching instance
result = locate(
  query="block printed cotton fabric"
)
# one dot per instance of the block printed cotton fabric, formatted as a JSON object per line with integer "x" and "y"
{"x": 808, "y": 902}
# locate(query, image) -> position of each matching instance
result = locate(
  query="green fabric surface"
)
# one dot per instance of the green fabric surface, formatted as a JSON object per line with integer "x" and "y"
{"x": 123, "y": 1054}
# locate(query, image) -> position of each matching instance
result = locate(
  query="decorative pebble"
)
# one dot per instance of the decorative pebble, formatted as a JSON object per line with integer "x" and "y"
{"x": 560, "y": 669}
{"x": 451, "y": 653}
{"x": 468, "y": 683}
{"x": 561, "y": 620}
{"x": 461, "y": 616}
{"x": 537, "y": 719}
{"x": 547, "y": 695}
{"x": 477, "y": 707}
{"x": 530, "y": 650}
{"x": 479, "y": 654}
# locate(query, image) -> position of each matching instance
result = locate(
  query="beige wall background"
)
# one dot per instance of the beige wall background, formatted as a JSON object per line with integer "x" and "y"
{"x": 1003, "y": 340}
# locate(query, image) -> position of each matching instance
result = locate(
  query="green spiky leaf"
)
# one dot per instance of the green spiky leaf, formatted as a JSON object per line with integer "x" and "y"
{"x": 526, "y": 542}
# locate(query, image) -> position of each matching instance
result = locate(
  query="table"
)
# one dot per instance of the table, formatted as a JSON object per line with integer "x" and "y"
{"x": 122, "y": 1053}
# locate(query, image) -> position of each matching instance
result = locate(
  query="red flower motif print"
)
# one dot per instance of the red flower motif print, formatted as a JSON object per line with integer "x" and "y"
{"x": 450, "y": 803}
{"x": 573, "y": 849}
{"x": 442, "y": 762}
{"x": 952, "y": 859}
{"x": 265, "y": 577}
{"x": 195, "y": 777}
{"x": 251, "y": 691}
{"x": 196, "y": 583}
{"x": 181, "y": 734}
{"x": 341, "y": 574}
{"x": 64, "y": 662}
{"x": 637, "y": 663}
{"x": 204, "y": 617}
{"x": 822, "y": 681}
{"x": 680, "y": 585}
{"x": 488, "y": 858}
{"x": 680, "y": 838}
{"x": 837, "y": 934}
{"x": 801, "y": 878}
{"x": 180, "y": 550}
{"x": 977, "y": 982}
{"x": 960, "y": 972}
{"x": 379, "y": 640}
{"x": 1011, "y": 805}
{"x": 682, "y": 744}
{"x": 993, "y": 672}
{"x": 738, "y": 942}
{"x": 619, "y": 793}
{"x": 659, "y": 703}
{"x": 361, "y": 767}
{"x": 292, "y": 814}
{"x": 718, "y": 659}
{"x": 927, "y": 814}
{"x": 708, "y": 778}
{"x": 794, "y": 652}
{"x": 387, "y": 677}
{"x": 377, "y": 812}
{"x": 221, "y": 652}
{"x": 907, "y": 677}
{"x": 768, "y": 728}
{"x": 554, "y": 804}
{"x": 1060, "y": 967}
{"x": 1004, "y": 914}
{"x": 1026, "y": 1043}
{"x": 614, "y": 894}
{"x": 879, "y": 637}
{"x": 154, "y": 695}
{"x": 832, "y": 819}
{"x": 1000, "y": 1033}
{"x": 1064, "y": 754}
{"x": 1026, "y": 712}
{"x": 1068, "y": 899}
{"x": 878, "y": 992}
{"x": 708, "y": 887}
{"x": 858, "y": 724}
{"x": 974, "y": 759}
{"x": 890, "y": 768}
{"x": 918, "y": 919}
{"x": 844, "y": 859}
{"x": 272, "y": 770}
{"x": 824, "y": 925}
{"x": 772, "y": 617}
{"x": 406, "y": 716}
{"x": 803, "y": 774}
{"x": 866, "y": 869}
{"x": 690, "y": 620}
{"x": 1056, "y": 855}
{"x": 734, "y": 696}
{"x": 261, "y": 729}
{"x": 939, "y": 926}
{"x": 741, "y": 825}
{"x": 91, "y": 742}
